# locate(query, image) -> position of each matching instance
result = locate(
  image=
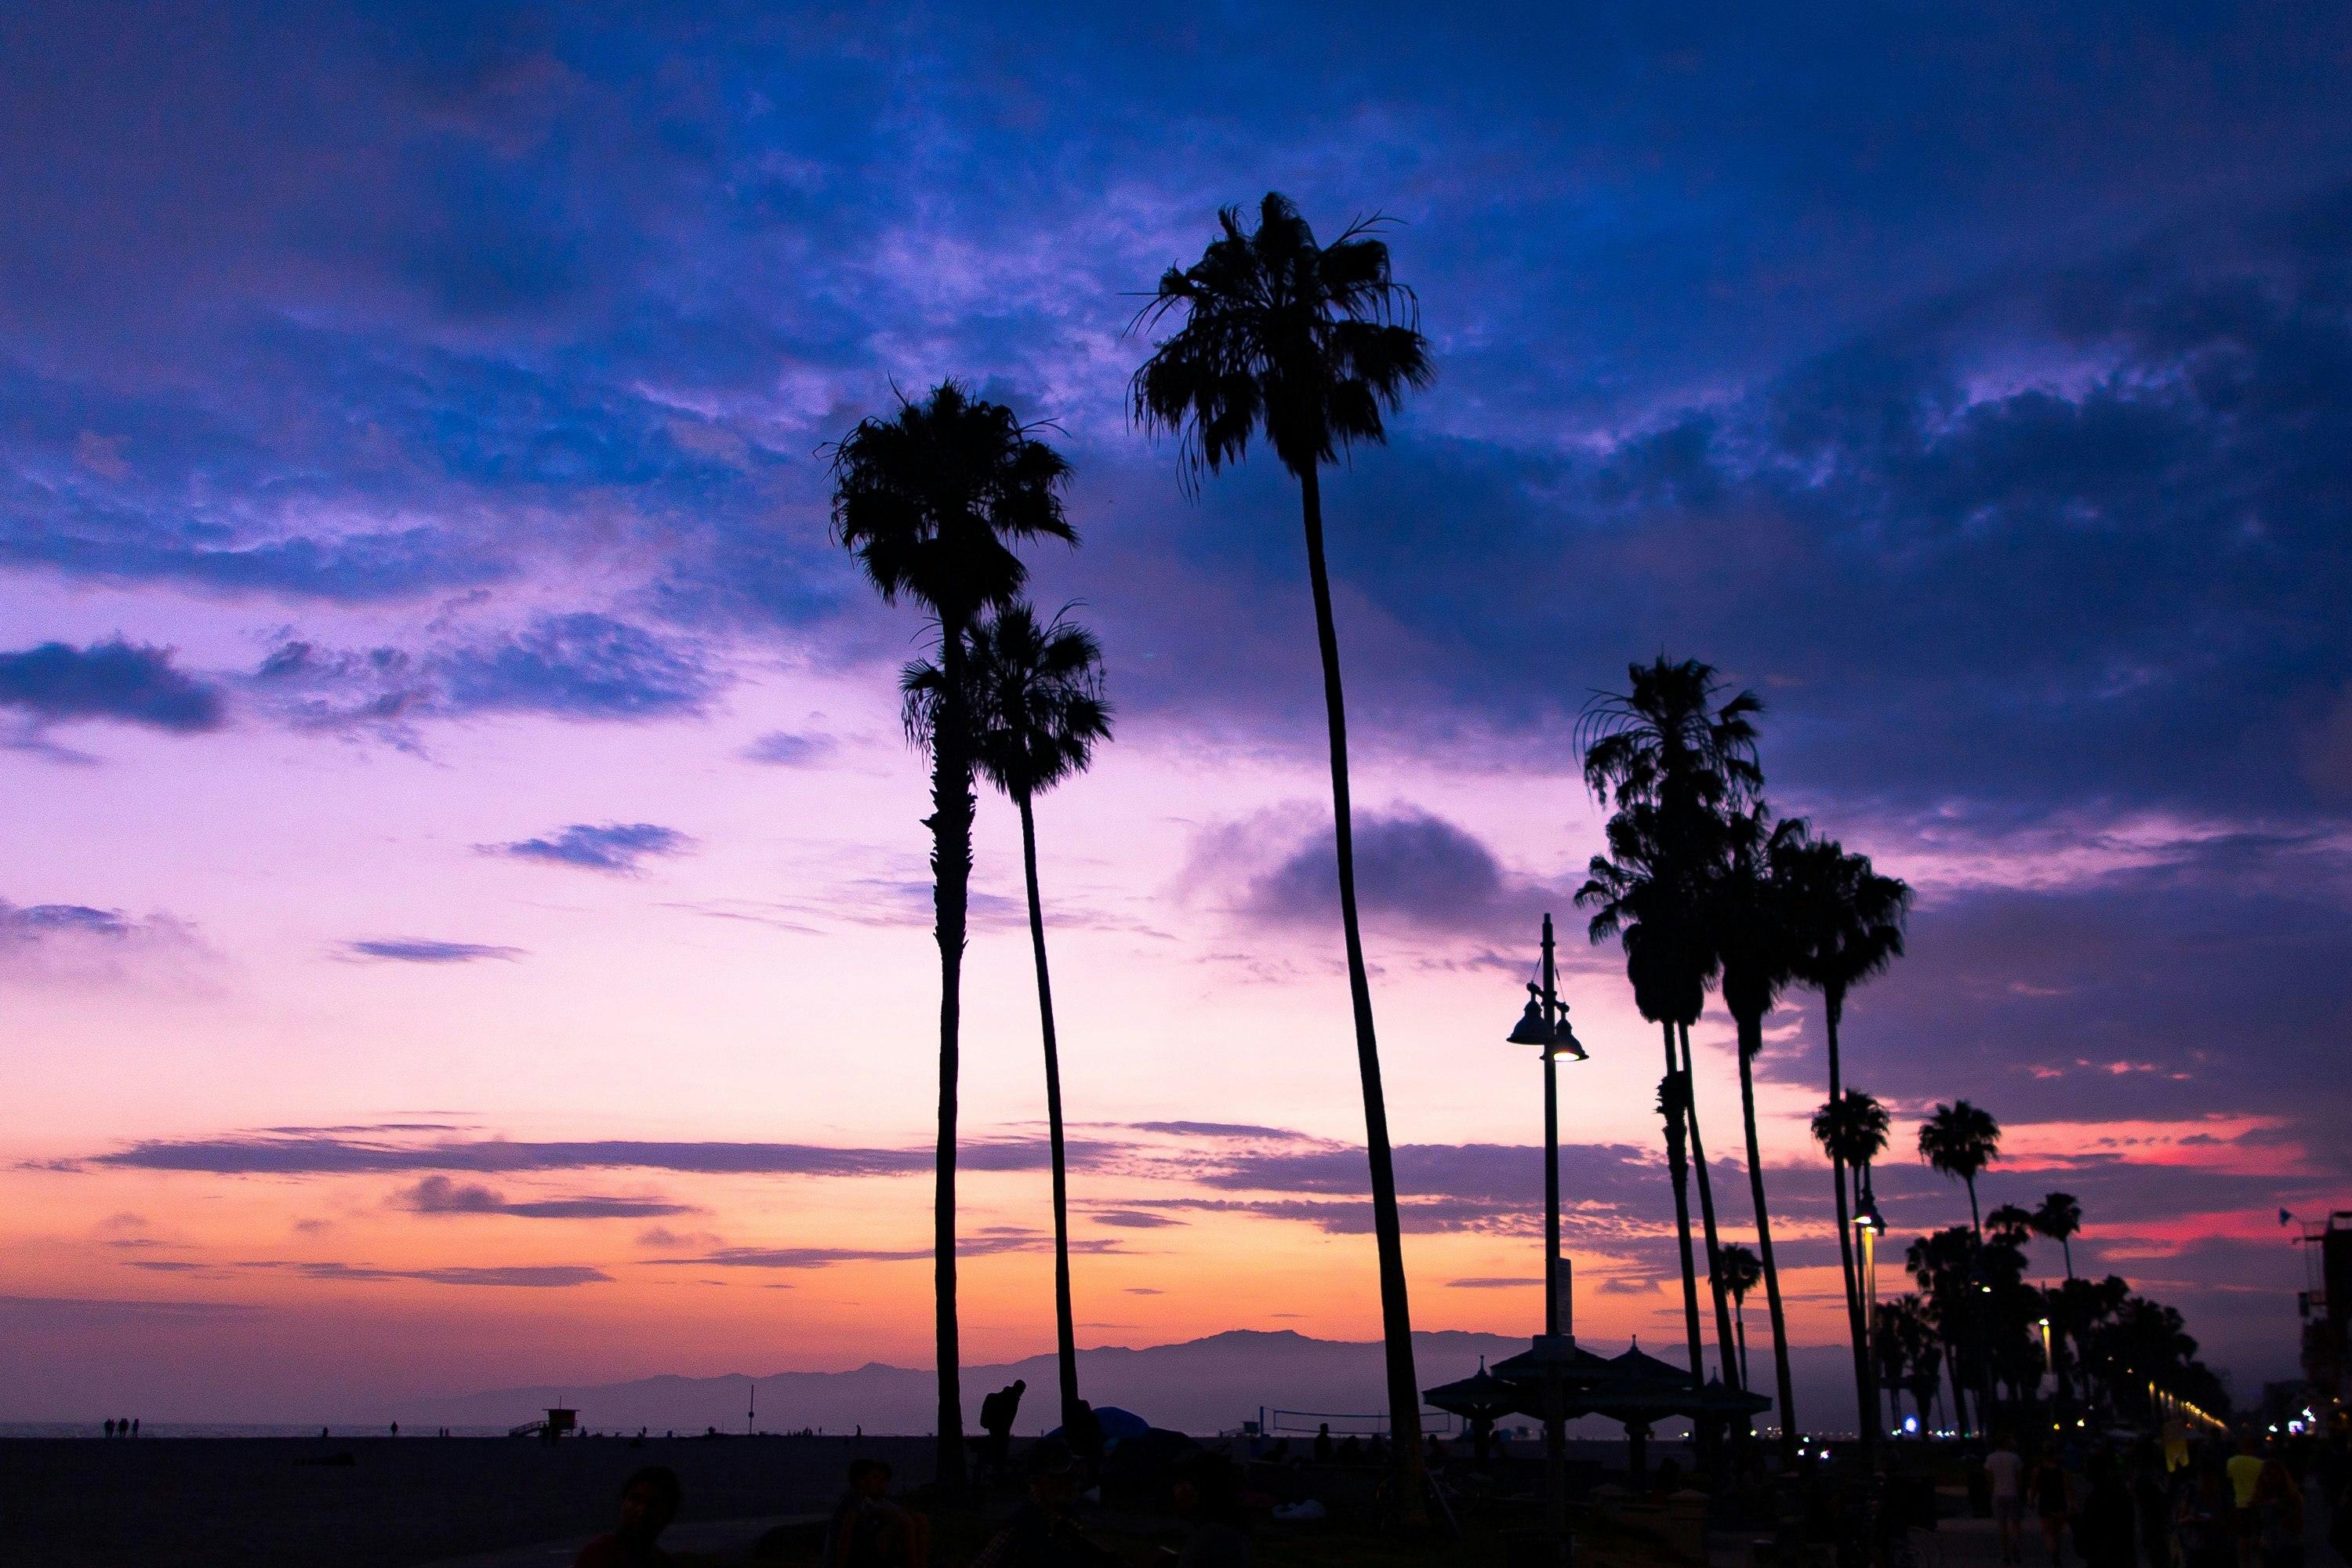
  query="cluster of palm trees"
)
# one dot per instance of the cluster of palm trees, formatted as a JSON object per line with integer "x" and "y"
{"x": 1309, "y": 346}
{"x": 1705, "y": 887}
{"x": 1275, "y": 336}
{"x": 1974, "y": 1319}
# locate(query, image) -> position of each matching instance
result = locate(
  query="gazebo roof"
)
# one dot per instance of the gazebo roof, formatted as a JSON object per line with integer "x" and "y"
{"x": 1577, "y": 1367}
{"x": 1481, "y": 1396}
{"x": 1640, "y": 1364}
{"x": 1635, "y": 1387}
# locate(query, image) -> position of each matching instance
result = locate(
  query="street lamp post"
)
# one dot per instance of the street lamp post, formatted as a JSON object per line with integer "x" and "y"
{"x": 1544, "y": 1024}
{"x": 1869, "y": 1225}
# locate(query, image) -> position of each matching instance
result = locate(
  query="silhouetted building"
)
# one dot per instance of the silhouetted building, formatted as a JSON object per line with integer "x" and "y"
{"x": 2326, "y": 1304}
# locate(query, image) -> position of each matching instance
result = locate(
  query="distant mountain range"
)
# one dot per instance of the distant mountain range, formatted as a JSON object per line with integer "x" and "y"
{"x": 1202, "y": 1386}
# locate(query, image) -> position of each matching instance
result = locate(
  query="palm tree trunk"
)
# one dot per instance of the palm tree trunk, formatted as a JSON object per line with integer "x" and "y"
{"x": 950, "y": 825}
{"x": 1066, "y": 1339}
{"x": 1751, "y": 1039}
{"x": 1387, "y": 1229}
{"x": 1866, "y": 1397}
{"x": 1731, "y": 1376}
{"x": 1669, "y": 1088}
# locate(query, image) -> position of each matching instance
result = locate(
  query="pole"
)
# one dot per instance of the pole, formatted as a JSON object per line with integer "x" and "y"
{"x": 1555, "y": 1436}
{"x": 1552, "y": 1144}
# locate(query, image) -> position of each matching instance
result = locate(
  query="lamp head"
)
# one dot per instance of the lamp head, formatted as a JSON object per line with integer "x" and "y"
{"x": 1566, "y": 1046}
{"x": 1531, "y": 1029}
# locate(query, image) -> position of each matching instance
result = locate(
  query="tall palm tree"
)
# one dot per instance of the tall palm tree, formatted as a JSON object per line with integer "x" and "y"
{"x": 1741, "y": 1270}
{"x": 2060, "y": 1218}
{"x": 1958, "y": 1143}
{"x": 1716, "y": 1284}
{"x": 1640, "y": 904}
{"x": 1852, "y": 1128}
{"x": 1749, "y": 924}
{"x": 1307, "y": 343}
{"x": 930, "y": 502}
{"x": 1849, "y": 929}
{"x": 1037, "y": 714}
{"x": 1673, "y": 755}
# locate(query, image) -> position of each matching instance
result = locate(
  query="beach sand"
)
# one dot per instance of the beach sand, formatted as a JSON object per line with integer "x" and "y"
{"x": 397, "y": 1503}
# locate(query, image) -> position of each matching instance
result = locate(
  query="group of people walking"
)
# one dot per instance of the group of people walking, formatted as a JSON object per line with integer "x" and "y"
{"x": 2173, "y": 1504}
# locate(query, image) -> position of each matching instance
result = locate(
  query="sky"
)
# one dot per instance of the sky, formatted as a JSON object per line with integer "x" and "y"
{"x": 464, "y": 913}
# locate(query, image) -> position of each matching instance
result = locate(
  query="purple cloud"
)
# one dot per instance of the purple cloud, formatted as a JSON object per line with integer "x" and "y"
{"x": 427, "y": 950}
{"x": 131, "y": 684}
{"x": 614, "y": 847}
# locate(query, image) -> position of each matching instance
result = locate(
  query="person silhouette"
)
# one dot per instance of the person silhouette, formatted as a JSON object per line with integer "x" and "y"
{"x": 135, "y": 1426}
{"x": 996, "y": 1415}
{"x": 649, "y": 1501}
{"x": 1323, "y": 1444}
{"x": 869, "y": 1530}
{"x": 109, "y": 1426}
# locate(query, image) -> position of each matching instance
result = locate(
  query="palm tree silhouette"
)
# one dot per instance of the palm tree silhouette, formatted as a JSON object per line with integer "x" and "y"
{"x": 1674, "y": 759}
{"x": 2010, "y": 1225}
{"x": 1852, "y": 1128}
{"x": 1958, "y": 1141}
{"x": 2060, "y": 1218}
{"x": 927, "y": 501}
{"x": 1747, "y": 916}
{"x": 1848, "y": 929}
{"x": 1309, "y": 343}
{"x": 1037, "y": 714}
{"x": 1639, "y": 904}
{"x": 1741, "y": 1270}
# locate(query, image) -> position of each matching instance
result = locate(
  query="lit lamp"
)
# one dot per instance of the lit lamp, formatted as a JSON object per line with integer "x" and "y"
{"x": 1869, "y": 1225}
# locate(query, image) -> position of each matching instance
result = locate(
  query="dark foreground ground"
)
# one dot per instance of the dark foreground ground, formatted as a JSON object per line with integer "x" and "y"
{"x": 197, "y": 1503}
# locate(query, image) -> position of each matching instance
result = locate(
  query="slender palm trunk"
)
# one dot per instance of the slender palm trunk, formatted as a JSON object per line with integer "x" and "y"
{"x": 1396, "y": 1315}
{"x": 1752, "y": 1040}
{"x": 1673, "y": 1091}
{"x": 1866, "y": 1397}
{"x": 950, "y": 825}
{"x": 1740, "y": 1321}
{"x": 1732, "y": 1376}
{"x": 1066, "y": 1337}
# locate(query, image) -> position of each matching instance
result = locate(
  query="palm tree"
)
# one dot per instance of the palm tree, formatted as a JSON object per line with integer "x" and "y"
{"x": 1309, "y": 343}
{"x": 1741, "y": 1270}
{"x": 2009, "y": 1226}
{"x": 928, "y": 500}
{"x": 1037, "y": 713}
{"x": 1946, "y": 1267}
{"x": 2060, "y": 1218}
{"x": 1849, "y": 929}
{"x": 1958, "y": 1143}
{"x": 1852, "y": 1128}
{"x": 1641, "y": 905}
{"x": 1673, "y": 758}
{"x": 1749, "y": 926}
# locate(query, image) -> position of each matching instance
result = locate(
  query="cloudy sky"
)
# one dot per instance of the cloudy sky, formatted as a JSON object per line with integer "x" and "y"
{"x": 464, "y": 889}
